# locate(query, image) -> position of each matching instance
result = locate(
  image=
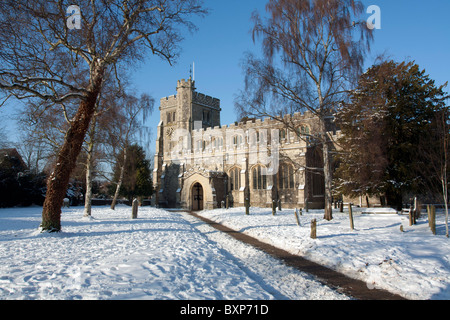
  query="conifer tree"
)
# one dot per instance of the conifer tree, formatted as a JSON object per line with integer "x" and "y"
{"x": 383, "y": 124}
{"x": 137, "y": 174}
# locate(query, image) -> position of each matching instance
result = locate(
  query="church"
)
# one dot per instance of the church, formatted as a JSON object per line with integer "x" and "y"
{"x": 201, "y": 164}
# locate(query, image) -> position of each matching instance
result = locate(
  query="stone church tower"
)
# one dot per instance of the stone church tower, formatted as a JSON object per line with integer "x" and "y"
{"x": 180, "y": 114}
{"x": 201, "y": 164}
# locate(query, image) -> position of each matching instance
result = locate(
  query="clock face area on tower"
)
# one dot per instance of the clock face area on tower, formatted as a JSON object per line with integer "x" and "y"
{"x": 169, "y": 132}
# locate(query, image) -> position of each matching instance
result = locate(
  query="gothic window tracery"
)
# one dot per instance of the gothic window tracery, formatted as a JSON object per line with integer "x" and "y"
{"x": 286, "y": 176}
{"x": 259, "y": 178}
{"x": 235, "y": 178}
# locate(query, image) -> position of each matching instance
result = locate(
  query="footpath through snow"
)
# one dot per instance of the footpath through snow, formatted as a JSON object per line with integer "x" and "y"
{"x": 172, "y": 255}
{"x": 161, "y": 255}
{"x": 414, "y": 264}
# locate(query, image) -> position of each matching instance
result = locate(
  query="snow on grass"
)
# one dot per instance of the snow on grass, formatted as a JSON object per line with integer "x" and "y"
{"x": 160, "y": 255}
{"x": 414, "y": 263}
{"x": 171, "y": 255}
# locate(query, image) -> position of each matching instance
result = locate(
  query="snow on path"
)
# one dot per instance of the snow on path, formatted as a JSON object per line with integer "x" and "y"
{"x": 161, "y": 255}
{"x": 282, "y": 281}
{"x": 414, "y": 263}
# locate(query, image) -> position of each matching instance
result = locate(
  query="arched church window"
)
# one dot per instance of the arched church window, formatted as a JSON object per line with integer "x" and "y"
{"x": 235, "y": 178}
{"x": 217, "y": 142}
{"x": 282, "y": 134}
{"x": 305, "y": 130}
{"x": 206, "y": 117}
{"x": 259, "y": 178}
{"x": 286, "y": 176}
{"x": 237, "y": 140}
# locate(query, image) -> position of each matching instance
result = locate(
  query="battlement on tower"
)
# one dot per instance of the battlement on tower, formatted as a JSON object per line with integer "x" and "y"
{"x": 205, "y": 100}
{"x": 197, "y": 97}
{"x": 300, "y": 119}
{"x": 170, "y": 101}
{"x": 186, "y": 83}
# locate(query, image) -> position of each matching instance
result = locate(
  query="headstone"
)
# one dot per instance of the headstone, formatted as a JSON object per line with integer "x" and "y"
{"x": 66, "y": 202}
{"x": 296, "y": 217}
{"x": 313, "y": 229}
{"x": 350, "y": 213}
{"x": 134, "y": 210}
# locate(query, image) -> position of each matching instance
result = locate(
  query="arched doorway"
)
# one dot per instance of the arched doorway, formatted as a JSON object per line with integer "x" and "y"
{"x": 197, "y": 197}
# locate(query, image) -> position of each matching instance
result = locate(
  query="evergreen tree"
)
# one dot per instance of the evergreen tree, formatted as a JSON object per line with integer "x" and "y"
{"x": 383, "y": 126}
{"x": 137, "y": 173}
{"x": 19, "y": 186}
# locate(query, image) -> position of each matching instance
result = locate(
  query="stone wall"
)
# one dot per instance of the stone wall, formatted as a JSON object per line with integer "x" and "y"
{"x": 210, "y": 148}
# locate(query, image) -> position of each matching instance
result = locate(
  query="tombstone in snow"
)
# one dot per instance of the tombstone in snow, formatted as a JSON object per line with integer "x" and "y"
{"x": 134, "y": 209}
{"x": 296, "y": 217}
{"x": 66, "y": 203}
{"x": 313, "y": 229}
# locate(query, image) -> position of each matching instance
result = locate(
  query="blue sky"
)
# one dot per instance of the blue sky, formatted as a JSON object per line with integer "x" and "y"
{"x": 410, "y": 29}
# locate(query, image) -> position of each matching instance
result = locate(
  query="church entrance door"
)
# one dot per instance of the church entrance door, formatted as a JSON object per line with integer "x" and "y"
{"x": 197, "y": 197}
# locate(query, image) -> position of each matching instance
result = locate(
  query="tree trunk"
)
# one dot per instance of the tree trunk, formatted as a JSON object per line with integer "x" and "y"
{"x": 446, "y": 220}
{"x": 445, "y": 198}
{"x": 89, "y": 164}
{"x": 88, "y": 196}
{"x": 327, "y": 177}
{"x": 119, "y": 183}
{"x": 59, "y": 179}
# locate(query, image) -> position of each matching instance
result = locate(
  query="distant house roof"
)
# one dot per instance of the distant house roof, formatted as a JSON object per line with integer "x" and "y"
{"x": 12, "y": 152}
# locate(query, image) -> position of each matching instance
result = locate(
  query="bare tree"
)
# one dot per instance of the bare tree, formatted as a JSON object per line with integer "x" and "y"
{"x": 312, "y": 51}
{"x": 433, "y": 155}
{"x": 42, "y": 55}
{"x": 97, "y": 136}
{"x": 4, "y": 143}
{"x": 443, "y": 160}
{"x": 126, "y": 126}
{"x": 91, "y": 143}
{"x": 45, "y": 126}
{"x": 33, "y": 150}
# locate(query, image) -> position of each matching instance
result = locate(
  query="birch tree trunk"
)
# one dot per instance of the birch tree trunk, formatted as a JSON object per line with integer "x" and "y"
{"x": 119, "y": 183}
{"x": 89, "y": 166}
{"x": 444, "y": 182}
{"x": 327, "y": 179}
{"x": 444, "y": 192}
{"x": 88, "y": 196}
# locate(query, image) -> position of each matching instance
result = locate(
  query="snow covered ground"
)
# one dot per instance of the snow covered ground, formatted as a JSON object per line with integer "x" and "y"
{"x": 414, "y": 263}
{"x": 171, "y": 255}
{"x": 161, "y": 255}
